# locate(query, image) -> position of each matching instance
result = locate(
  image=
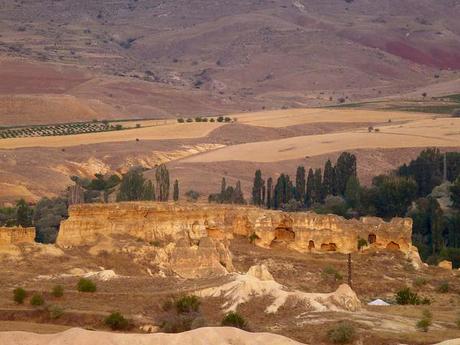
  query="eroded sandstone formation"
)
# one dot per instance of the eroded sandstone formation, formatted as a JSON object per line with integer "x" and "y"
{"x": 304, "y": 231}
{"x": 16, "y": 235}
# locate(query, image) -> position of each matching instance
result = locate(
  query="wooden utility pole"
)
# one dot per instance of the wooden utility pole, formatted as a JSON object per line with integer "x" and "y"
{"x": 350, "y": 280}
{"x": 445, "y": 167}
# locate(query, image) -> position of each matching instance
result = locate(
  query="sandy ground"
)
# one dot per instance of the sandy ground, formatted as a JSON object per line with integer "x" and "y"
{"x": 201, "y": 336}
{"x": 163, "y": 132}
{"x": 290, "y": 117}
{"x": 441, "y": 132}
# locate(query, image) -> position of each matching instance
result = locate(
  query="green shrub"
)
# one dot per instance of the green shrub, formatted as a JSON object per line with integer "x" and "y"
{"x": 37, "y": 300}
{"x": 180, "y": 120}
{"x": 419, "y": 282}
{"x": 233, "y": 319}
{"x": 426, "y": 321}
{"x": 116, "y": 321}
{"x": 406, "y": 296}
{"x": 253, "y": 238}
{"x": 330, "y": 271}
{"x": 361, "y": 243}
{"x": 86, "y": 285}
{"x": 187, "y": 304}
{"x": 444, "y": 287}
{"x": 55, "y": 312}
{"x": 58, "y": 291}
{"x": 343, "y": 333}
{"x": 178, "y": 323}
{"x": 19, "y": 295}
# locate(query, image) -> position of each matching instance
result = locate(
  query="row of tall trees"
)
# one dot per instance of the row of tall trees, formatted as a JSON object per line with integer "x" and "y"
{"x": 228, "y": 194}
{"x": 134, "y": 186}
{"x": 307, "y": 189}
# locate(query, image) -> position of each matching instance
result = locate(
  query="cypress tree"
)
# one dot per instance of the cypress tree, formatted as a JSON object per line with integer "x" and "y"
{"x": 269, "y": 192}
{"x": 279, "y": 193}
{"x": 310, "y": 188}
{"x": 176, "y": 190}
{"x": 300, "y": 183}
{"x": 162, "y": 177}
{"x": 318, "y": 186}
{"x": 328, "y": 178}
{"x": 353, "y": 192}
{"x": 257, "y": 188}
{"x": 238, "y": 197}
{"x": 344, "y": 169}
{"x": 149, "y": 191}
{"x": 223, "y": 186}
{"x": 132, "y": 186}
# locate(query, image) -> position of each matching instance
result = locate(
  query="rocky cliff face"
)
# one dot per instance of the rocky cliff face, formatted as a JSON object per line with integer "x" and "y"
{"x": 304, "y": 231}
{"x": 16, "y": 235}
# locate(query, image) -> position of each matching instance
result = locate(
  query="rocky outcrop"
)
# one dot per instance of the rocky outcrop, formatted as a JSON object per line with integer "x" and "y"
{"x": 16, "y": 235}
{"x": 304, "y": 231}
{"x": 258, "y": 282}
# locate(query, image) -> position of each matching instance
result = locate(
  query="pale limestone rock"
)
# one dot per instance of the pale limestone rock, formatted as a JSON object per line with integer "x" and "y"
{"x": 446, "y": 265}
{"x": 303, "y": 231}
{"x": 257, "y": 283}
{"x": 16, "y": 235}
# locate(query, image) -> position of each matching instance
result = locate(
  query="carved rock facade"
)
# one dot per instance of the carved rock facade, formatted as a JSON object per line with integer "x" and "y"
{"x": 304, "y": 231}
{"x": 16, "y": 235}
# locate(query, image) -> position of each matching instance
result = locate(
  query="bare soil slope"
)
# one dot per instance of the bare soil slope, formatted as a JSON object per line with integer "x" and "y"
{"x": 144, "y": 59}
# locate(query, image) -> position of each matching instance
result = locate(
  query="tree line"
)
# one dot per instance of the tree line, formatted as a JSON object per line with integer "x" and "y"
{"x": 409, "y": 191}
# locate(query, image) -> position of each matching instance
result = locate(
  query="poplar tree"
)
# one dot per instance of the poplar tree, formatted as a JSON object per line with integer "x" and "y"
{"x": 300, "y": 183}
{"x": 176, "y": 190}
{"x": 318, "y": 186}
{"x": 344, "y": 169}
{"x": 310, "y": 188}
{"x": 149, "y": 191}
{"x": 328, "y": 179}
{"x": 162, "y": 178}
{"x": 257, "y": 189}
{"x": 269, "y": 192}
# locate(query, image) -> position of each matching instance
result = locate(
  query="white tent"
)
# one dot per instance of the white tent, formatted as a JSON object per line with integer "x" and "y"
{"x": 378, "y": 302}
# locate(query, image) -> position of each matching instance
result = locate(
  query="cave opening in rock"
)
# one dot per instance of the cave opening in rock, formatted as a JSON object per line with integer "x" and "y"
{"x": 393, "y": 246}
{"x": 328, "y": 247}
{"x": 284, "y": 234}
{"x": 372, "y": 238}
{"x": 311, "y": 245}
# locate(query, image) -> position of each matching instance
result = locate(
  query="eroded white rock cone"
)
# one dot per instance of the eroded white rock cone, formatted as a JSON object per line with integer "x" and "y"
{"x": 200, "y": 336}
{"x": 258, "y": 282}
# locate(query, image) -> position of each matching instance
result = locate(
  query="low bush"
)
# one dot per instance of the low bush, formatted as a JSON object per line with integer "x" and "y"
{"x": 58, "y": 291}
{"x": 426, "y": 321}
{"x": 253, "y": 238}
{"x": 343, "y": 333}
{"x": 233, "y": 319}
{"x": 406, "y": 296}
{"x": 178, "y": 323}
{"x": 116, "y": 321}
{"x": 444, "y": 287}
{"x": 55, "y": 312}
{"x": 419, "y": 282}
{"x": 37, "y": 300}
{"x": 187, "y": 304}
{"x": 330, "y": 271}
{"x": 19, "y": 295}
{"x": 86, "y": 285}
{"x": 361, "y": 243}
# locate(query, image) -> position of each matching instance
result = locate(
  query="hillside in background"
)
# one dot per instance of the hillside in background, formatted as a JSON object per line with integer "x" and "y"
{"x": 64, "y": 61}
